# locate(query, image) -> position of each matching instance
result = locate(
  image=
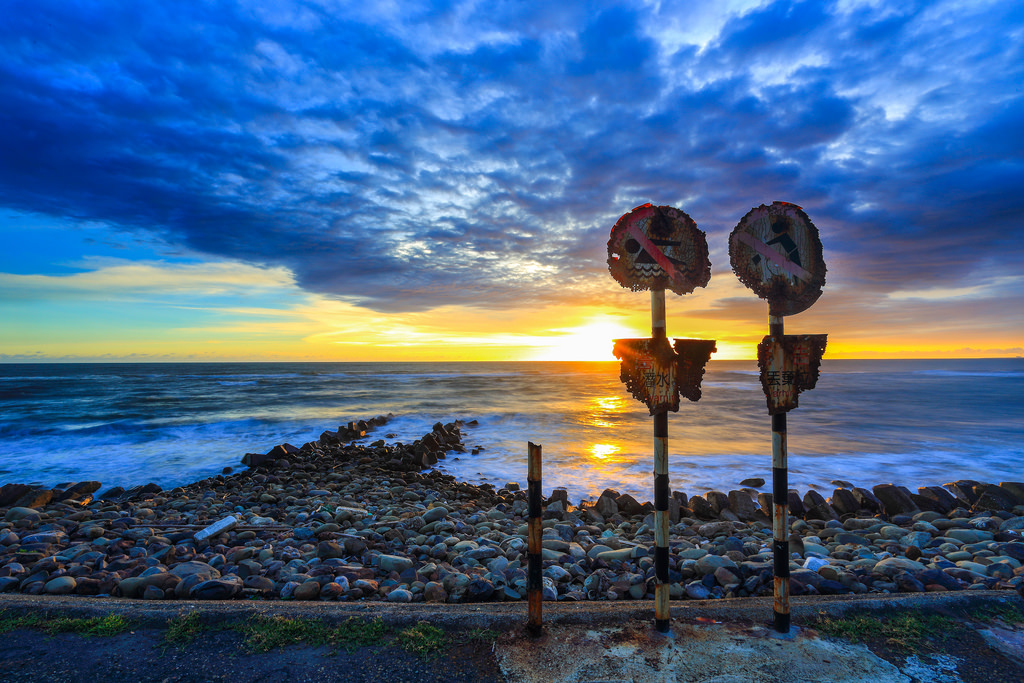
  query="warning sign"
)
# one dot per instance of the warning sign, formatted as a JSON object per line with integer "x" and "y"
{"x": 658, "y": 247}
{"x": 776, "y": 252}
{"x": 789, "y": 365}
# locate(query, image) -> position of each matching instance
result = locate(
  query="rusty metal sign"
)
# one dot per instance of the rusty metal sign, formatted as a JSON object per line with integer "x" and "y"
{"x": 776, "y": 252}
{"x": 656, "y": 374}
{"x": 692, "y": 355}
{"x": 658, "y": 247}
{"x": 789, "y": 365}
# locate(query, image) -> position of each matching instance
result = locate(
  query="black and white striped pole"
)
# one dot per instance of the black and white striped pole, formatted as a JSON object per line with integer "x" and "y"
{"x": 661, "y": 483}
{"x": 780, "y": 503}
{"x": 658, "y": 248}
{"x": 776, "y": 252}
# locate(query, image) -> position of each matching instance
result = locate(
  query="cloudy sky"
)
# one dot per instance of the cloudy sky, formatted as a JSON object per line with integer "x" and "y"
{"x": 319, "y": 180}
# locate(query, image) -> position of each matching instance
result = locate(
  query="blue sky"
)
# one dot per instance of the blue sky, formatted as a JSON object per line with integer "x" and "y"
{"x": 318, "y": 179}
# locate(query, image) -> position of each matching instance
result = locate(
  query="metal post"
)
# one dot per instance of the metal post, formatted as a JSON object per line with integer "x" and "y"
{"x": 534, "y": 587}
{"x": 780, "y": 502}
{"x": 661, "y": 493}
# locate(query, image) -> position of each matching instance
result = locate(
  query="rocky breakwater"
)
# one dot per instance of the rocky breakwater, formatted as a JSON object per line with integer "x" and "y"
{"x": 339, "y": 521}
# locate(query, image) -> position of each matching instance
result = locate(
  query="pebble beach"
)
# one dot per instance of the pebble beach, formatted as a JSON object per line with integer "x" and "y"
{"x": 338, "y": 520}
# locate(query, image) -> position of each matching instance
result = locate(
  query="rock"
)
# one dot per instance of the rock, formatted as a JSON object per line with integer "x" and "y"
{"x": 62, "y": 585}
{"x": 202, "y": 570}
{"x": 215, "y": 589}
{"x": 701, "y": 508}
{"x": 434, "y": 514}
{"x": 606, "y": 506}
{"x": 969, "y": 535}
{"x": 963, "y": 489}
{"x": 891, "y": 566}
{"x": 219, "y": 527}
{"x": 112, "y": 493}
{"x": 395, "y": 563}
{"x": 822, "y": 512}
{"x": 709, "y": 563}
{"x": 916, "y": 539}
{"x": 434, "y": 592}
{"x": 844, "y": 502}
{"x": 628, "y": 505}
{"x": 326, "y": 550}
{"x": 479, "y": 590}
{"x": 1015, "y": 489}
{"x": 153, "y": 593}
{"x": 741, "y": 504}
{"x": 9, "y": 493}
{"x": 866, "y": 500}
{"x": 895, "y": 499}
{"x": 942, "y": 501}
{"x": 259, "y": 583}
{"x": 794, "y": 503}
{"x": 307, "y": 590}
{"x": 1014, "y": 523}
{"x": 697, "y": 591}
{"x": 993, "y": 497}
{"x": 718, "y": 501}
{"x": 726, "y": 577}
{"x": 712, "y": 529}
{"x": 616, "y": 555}
{"x": 1014, "y": 550}
{"x": 815, "y": 563}
{"x": 753, "y": 482}
{"x": 79, "y": 490}
{"x": 35, "y": 498}
{"x": 399, "y": 595}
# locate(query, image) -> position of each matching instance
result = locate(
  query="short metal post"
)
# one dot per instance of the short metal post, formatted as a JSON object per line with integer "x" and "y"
{"x": 534, "y": 587}
{"x": 780, "y": 502}
{"x": 661, "y": 486}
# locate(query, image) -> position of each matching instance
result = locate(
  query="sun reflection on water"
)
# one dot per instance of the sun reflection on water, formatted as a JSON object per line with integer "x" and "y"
{"x": 603, "y": 408}
{"x": 603, "y": 451}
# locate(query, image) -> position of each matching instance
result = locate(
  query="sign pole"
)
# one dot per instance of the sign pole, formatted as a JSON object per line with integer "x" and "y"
{"x": 780, "y": 498}
{"x": 534, "y": 587}
{"x": 661, "y": 492}
{"x": 776, "y": 252}
{"x": 658, "y": 248}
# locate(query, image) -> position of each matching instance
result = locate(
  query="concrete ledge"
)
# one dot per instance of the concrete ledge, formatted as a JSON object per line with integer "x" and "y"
{"x": 499, "y": 616}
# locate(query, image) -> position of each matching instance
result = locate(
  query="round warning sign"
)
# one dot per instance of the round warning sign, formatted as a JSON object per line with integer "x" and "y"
{"x": 658, "y": 247}
{"x": 776, "y": 252}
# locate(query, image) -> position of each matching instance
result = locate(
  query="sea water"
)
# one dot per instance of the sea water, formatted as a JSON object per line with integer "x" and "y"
{"x": 917, "y": 422}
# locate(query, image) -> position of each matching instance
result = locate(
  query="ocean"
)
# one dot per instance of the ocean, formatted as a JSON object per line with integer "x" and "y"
{"x": 910, "y": 422}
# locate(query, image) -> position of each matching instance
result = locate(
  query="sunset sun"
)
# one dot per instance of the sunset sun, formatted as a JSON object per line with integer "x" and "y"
{"x": 591, "y": 341}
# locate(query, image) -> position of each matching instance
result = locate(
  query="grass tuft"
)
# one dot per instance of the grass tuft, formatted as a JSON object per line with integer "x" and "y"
{"x": 110, "y": 625}
{"x": 354, "y": 633}
{"x": 262, "y": 634}
{"x": 905, "y": 630}
{"x": 183, "y": 629}
{"x": 423, "y": 640}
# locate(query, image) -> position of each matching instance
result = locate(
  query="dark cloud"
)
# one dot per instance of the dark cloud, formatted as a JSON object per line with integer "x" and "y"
{"x": 446, "y": 154}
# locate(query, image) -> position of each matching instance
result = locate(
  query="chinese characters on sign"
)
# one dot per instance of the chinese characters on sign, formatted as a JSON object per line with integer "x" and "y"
{"x": 657, "y": 374}
{"x": 788, "y": 366}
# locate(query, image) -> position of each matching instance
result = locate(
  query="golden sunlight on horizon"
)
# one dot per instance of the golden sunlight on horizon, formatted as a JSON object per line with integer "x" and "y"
{"x": 588, "y": 342}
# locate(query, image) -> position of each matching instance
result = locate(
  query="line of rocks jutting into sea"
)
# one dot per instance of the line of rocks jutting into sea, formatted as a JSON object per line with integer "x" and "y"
{"x": 335, "y": 520}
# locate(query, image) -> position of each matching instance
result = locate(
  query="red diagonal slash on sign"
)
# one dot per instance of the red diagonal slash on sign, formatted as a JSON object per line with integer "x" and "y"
{"x": 650, "y": 248}
{"x": 772, "y": 255}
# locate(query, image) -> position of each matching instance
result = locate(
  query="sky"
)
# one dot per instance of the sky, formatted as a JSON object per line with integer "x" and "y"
{"x": 391, "y": 181}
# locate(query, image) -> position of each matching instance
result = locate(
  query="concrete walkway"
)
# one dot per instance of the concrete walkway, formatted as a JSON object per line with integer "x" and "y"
{"x": 717, "y": 640}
